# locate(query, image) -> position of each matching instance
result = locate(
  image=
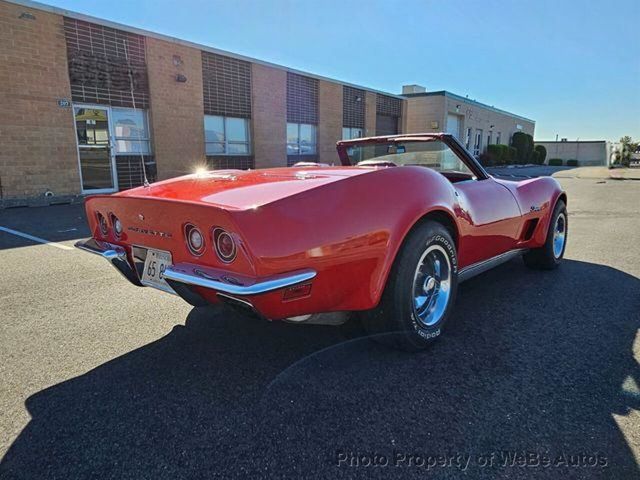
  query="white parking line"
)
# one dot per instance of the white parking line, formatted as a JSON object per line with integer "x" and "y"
{"x": 35, "y": 239}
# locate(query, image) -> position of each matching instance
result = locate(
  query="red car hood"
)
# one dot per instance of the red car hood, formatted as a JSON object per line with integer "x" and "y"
{"x": 243, "y": 189}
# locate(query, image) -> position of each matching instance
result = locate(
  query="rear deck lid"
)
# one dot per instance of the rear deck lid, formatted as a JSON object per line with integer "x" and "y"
{"x": 243, "y": 189}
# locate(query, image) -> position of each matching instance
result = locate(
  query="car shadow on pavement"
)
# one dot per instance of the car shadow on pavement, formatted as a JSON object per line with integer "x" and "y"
{"x": 531, "y": 362}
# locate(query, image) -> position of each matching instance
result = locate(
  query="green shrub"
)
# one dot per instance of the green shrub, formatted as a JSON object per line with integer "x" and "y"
{"x": 512, "y": 155}
{"x": 486, "y": 160}
{"x": 523, "y": 143}
{"x": 572, "y": 163}
{"x": 495, "y": 154}
{"x": 535, "y": 155}
{"x": 542, "y": 154}
{"x": 555, "y": 162}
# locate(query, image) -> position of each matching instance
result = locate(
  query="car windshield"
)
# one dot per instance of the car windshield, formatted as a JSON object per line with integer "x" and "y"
{"x": 433, "y": 154}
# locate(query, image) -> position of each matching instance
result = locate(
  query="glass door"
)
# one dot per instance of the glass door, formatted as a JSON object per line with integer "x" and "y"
{"x": 95, "y": 152}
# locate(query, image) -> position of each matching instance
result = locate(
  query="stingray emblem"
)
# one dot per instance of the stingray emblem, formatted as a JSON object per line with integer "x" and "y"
{"x": 535, "y": 208}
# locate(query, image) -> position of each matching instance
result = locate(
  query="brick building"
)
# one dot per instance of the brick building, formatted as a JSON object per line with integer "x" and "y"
{"x": 86, "y": 102}
{"x": 475, "y": 124}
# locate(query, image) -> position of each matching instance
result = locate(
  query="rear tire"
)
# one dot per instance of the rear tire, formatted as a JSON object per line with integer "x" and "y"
{"x": 420, "y": 290}
{"x": 550, "y": 254}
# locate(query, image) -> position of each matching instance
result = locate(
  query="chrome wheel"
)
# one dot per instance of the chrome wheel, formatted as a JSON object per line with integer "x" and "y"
{"x": 431, "y": 286}
{"x": 559, "y": 235}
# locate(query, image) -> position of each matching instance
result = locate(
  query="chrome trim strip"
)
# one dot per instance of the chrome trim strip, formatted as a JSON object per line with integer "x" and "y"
{"x": 477, "y": 268}
{"x": 181, "y": 273}
{"x": 115, "y": 254}
{"x": 104, "y": 249}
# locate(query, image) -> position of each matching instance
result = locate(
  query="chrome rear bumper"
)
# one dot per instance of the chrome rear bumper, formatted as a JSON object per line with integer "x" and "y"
{"x": 182, "y": 277}
{"x": 115, "y": 254}
{"x": 228, "y": 283}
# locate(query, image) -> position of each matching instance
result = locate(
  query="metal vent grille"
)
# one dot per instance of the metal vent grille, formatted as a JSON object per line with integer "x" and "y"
{"x": 353, "y": 101}
{"x": 98, "y": 65}
{"x": 302, "y": 99}
{"x": 226, "y": 86}
{"x": 388, "y": 106}
{"x": 129, "y": 170}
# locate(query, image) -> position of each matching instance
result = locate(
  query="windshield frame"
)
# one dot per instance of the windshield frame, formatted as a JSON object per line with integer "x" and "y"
{"x": 449, "y": 140}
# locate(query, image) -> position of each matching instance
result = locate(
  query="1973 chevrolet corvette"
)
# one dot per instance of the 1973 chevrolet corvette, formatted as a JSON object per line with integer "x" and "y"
{"x": 390, "y": 233}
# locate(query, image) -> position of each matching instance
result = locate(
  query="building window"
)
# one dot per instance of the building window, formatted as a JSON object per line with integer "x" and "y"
{"x": 498, "y": 138}
{"x": 468, "y": 140}
{"x": 489, "y": 138}
{"x": 301, "y": 139}
{"x": 226, "y": 135}
{"x": 477, "y": 147}
{"x": 131, "y": 131}
{"x": 349, "y": 133}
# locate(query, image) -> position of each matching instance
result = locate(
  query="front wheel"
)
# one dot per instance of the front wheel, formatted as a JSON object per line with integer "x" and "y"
{"x": 550, "y": 254}
{"x": 420, "y": 290}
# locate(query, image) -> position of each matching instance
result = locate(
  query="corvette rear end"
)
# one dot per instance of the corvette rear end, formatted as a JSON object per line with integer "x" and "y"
{"x": 218, "y": 236}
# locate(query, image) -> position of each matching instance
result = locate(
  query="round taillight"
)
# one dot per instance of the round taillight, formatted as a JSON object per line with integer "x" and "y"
{"x": 102, "y": 223}
{"x": 195, "y": 240}
{"x": 117, "y": 225}
{"x": 224, "y": 244}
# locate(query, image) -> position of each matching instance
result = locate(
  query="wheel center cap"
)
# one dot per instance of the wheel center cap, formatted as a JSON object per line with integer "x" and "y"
{"x": 429, "y": 284}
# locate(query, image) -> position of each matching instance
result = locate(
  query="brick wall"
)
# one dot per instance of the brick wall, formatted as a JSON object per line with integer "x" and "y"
{"x": 592, "y": 153}
{"x": 38, "y": 146}
{"x": 477, "y": 117}
{"x": 421, "y": 111}
{"x": 269, "y": 92}
{"x": 177, "y": 111}
{"x": 330, "y": 127}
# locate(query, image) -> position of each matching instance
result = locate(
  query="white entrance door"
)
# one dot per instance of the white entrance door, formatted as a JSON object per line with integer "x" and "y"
{"x": 95, "y": 149}
{"x": 453, "y": 125}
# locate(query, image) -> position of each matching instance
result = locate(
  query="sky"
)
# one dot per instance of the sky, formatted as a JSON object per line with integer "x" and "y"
{"x": 572, "y": 66}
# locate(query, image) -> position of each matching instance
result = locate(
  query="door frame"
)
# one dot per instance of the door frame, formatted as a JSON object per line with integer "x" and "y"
{"x": 112, "y": 153}
{"x": 460, "y": 120}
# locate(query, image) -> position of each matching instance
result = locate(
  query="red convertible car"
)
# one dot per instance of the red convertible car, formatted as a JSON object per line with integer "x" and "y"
{"x": 390, "y": 233}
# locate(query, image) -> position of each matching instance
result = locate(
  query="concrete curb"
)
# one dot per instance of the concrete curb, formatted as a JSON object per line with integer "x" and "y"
{"x": 41, "y": 201}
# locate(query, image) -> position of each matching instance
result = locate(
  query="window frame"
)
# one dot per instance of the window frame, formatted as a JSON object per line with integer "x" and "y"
{"x": 225, "y": 141}
{"x": 477, "y": 143}
{"x": 453, "y": 143}
{"x": 146, "y": 139}
{"x": 351, "y": 130}
{"x": 298, "y": 144}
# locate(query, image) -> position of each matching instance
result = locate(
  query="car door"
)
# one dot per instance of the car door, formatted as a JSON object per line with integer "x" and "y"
{"x": 492, "y": 220}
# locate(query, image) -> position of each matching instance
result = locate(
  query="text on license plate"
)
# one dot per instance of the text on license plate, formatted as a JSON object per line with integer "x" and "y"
{"x": 154, "y": 266}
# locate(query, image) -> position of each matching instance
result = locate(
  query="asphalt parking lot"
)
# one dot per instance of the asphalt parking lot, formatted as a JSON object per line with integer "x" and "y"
{"x": 103, "y": 379}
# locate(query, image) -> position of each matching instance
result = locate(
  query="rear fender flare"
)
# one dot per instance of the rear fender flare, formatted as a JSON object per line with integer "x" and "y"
{"x": 541, "y": 235}
{"x": 440, "y": 215}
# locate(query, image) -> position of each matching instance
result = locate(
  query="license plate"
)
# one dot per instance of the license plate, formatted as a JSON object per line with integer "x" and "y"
{"x": 154, "y": 266}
